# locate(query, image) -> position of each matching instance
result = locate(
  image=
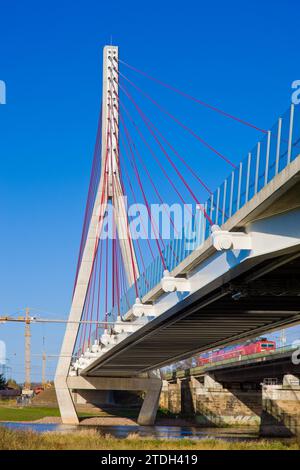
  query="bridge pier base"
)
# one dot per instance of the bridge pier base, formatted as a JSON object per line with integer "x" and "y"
{"x": 65, "y": 403}
{"x": 208, "y": 402}
{"x": 151, "y": 386}
{"x": 149, "y": 407}
{"x": 281, "y": 408}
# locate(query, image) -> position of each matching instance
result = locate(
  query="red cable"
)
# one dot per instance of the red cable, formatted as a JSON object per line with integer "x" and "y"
{"x": 117, "y": 254}
{"x": 142, "y": 190}
{"x": 86, "y": 317}
{"x": 143, "y": 225}
{"x": 145, "y": 233}
{"x": 99, "y": 290}
{"x": 190, "y": 97}
{"x": 124, "y": 287}
{"x": 170, "y": 145}
{"x": 106, "y": 283}
{"x": 134, "y": 166}
{"x": 132, "y": 143}
{"x": 130, "y": 240}
{"x": 180, "y": 157}
{"x": 144, "y": 165}
{"x": 81, "y": 333}
{"x": 157, "y": 160}
{"x": 170, "y": 115}
{"x": 113, "y": 204}
{"x": 151, "y": 180}
{"x": 87, "y": 302}
{"x": 113, "y": 274}
{"x": 135, "y": 200}
{"x": 152, "y": 152}
{"x": 90, "y": 193}
{"x": 143, "y": 138}
{"x": 93, "y": 298}
{"x": 166, "y": 154}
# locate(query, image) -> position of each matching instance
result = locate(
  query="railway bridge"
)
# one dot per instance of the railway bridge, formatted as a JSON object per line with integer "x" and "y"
{"x": 259, "y": 389}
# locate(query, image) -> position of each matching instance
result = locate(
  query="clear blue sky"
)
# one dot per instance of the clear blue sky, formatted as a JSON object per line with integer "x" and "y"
{"x": 240, "y": 55}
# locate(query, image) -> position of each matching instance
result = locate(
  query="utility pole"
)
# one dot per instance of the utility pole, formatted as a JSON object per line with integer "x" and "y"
{"x": 282, "y": 338}
{"x": 44, "y": 364}
{"x": 44, "y": 369}
{"x": 27, "y": 384}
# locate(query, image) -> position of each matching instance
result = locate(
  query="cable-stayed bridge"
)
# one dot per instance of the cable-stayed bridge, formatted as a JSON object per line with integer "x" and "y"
{"x": 169, "y": 267}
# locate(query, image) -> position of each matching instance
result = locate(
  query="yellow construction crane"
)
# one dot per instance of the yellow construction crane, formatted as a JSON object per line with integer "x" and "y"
{"x": 27, "y": 384}
{"x": 28, "y": 319}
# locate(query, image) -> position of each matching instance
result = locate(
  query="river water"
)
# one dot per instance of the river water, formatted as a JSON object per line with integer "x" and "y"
{"x": 159, "y": 432}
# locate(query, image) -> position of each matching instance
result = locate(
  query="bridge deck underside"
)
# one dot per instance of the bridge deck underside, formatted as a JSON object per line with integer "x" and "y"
{"x": 249, "y": 306}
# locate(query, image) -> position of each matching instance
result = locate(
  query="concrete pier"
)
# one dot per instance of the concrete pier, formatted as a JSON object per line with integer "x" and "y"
{"x": 274, "y": 408}
{"x": 208, "y": 403}
{"x": 91, "y": 386}
{"x": 281, "y": 408}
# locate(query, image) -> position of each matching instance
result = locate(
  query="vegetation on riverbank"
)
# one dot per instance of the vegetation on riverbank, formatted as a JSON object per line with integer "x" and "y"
{"x": 10, "y": 412}
{"x": 93, "y": 440}
{"x": 32, "y": 413}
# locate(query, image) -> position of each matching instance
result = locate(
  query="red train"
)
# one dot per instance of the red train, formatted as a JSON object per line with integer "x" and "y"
{"x": 237, "y": 351}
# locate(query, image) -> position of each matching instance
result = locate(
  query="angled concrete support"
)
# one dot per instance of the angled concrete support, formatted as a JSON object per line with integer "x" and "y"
{"x": 149, "y": 408}
{"x": 66, "y": 403}
{"x": 151, "y": 387}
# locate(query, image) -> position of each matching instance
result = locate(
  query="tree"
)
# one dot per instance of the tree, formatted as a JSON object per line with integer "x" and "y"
{"x": 2, "y": 382}
{"x": 11, "y": 383}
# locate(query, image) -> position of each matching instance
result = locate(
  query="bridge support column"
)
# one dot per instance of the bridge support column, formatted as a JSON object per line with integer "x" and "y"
{"x": 149, "y": 408}
{"x": 151, "y": 387}
{"x": 281, "y": 408}
{"x": 210, "y": 403}
{"x": 66, "y": 403}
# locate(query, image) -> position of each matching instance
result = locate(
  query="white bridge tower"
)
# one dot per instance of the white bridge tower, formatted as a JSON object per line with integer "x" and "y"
{"x": 109, "y": 189}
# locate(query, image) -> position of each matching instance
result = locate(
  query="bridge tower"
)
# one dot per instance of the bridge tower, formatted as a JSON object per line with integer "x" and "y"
{"x": 109, "y": 189}
{"x": 110, "y": 168}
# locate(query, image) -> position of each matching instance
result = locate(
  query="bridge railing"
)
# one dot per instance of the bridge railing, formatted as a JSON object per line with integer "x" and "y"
{"x": 279, "y": 147}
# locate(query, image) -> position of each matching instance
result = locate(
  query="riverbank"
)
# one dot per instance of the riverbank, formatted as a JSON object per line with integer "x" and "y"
{"x": 51, "y": 414}
{"x": 27, "y": 413}
{"x": 94, "y": 440}
{"x": 87, "y": 416}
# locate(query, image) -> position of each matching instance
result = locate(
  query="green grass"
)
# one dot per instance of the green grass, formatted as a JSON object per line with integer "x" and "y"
{"x": 93, "y": 440}
{"x": 9, "y": 413}
{"x": 32, "y": 413}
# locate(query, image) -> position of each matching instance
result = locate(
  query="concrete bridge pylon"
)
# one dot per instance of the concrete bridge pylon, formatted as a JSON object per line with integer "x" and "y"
{"x": 109, "y": 189}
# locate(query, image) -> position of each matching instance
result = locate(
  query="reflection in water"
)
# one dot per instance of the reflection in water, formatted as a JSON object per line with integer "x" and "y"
{"x": 159, "y": 432}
